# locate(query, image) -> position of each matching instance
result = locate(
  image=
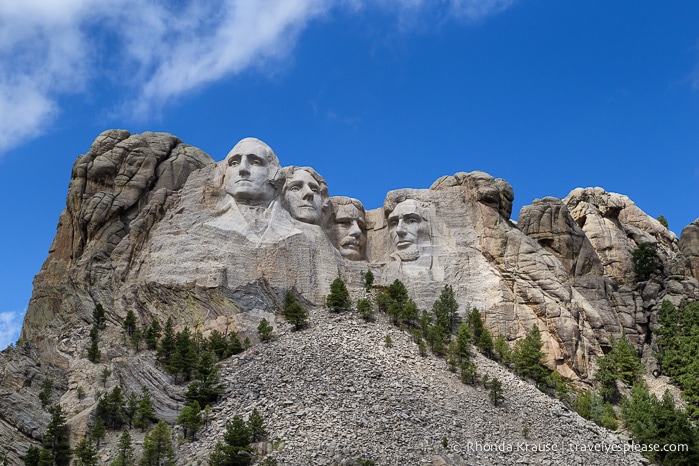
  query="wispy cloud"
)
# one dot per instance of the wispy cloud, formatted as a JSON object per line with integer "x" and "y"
{"x": 156, "y": 50}
{"x": 10, "y": 325}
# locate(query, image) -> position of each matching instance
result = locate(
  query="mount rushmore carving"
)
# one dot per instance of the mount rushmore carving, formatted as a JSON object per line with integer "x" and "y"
{"x": 158, "y": 227}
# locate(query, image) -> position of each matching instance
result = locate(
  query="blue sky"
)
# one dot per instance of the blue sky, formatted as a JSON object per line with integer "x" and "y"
{"x": 375, "y": 95}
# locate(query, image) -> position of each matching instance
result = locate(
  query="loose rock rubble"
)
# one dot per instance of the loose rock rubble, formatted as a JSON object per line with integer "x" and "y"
{"x": 333, "y": 393}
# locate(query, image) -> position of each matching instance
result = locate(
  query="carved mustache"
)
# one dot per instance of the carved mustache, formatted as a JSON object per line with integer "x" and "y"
{"x": 350, "y": 242}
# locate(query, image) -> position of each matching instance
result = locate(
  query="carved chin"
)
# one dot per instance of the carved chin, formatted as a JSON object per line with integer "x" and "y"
{"x": 351, "y": 254}
{"x": 408, "y": 254}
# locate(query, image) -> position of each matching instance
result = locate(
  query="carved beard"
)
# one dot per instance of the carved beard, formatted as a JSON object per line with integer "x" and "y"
{"x": 409, "y": 254}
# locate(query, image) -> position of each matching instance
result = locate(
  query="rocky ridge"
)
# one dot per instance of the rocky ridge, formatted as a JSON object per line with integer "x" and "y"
{"x": 137, "y": 234}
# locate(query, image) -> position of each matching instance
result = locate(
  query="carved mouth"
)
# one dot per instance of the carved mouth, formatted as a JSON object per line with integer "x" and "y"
{"x": 404, "y": 244}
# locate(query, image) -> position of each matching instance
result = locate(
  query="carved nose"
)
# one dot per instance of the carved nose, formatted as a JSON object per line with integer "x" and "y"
{"x": 355, "y": 231}
{"x": 307, "y": 193}
{"x": 400, "y": 228}
{"x": 244, "y": 167}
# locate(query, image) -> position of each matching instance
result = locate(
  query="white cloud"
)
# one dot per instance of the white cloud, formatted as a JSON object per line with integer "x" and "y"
{"x": 10, "y": 326}
{"x": 476, "y": 10}
{"x": 156, "y": 50}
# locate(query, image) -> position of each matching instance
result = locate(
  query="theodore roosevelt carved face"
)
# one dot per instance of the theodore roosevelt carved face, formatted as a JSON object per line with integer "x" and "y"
{"x": 347, "y": 228}
{"x": 253, "y": 174}
{"x": 408, "y": 229}
{"x": 305, "y": 194}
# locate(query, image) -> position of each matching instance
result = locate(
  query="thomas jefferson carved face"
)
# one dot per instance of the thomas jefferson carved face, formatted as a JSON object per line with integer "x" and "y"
{"x": 347, "y": 229}
{"x": 305, "y": 194}
{"x": 253, "y": 173}
{"x": 408, "y": 229}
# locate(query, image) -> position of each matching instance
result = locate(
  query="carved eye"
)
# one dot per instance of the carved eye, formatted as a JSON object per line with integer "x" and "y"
{"x": 412, "y": 221}
{"x": 294, "y": 188}
{"x": 315, "y": 190}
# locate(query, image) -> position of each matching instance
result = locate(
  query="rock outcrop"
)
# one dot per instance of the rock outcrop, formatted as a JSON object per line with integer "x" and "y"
{"x": 118, "y": 190}
{"x": 157, "y": 227}
{"x": 689, "y": 247}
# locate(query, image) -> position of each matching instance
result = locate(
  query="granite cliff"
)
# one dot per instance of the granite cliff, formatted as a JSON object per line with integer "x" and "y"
{"x": 157, "y": 227}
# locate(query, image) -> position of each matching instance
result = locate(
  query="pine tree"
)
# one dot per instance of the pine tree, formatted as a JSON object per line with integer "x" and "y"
{"x": 368, "y": 280}
{"x": 364, "y": 308}
{"x": 496, "y": 393}
{"x": 167, "y": 343}
{"x": 110, "y": 408}
{"x": 410, "y": 313}
{"x": 46, "y": 391}
{"x": 528, "y": 357}
{"x": 93, "y": 352}
{"x": 237, "y": 438}
{"x": 85, "y": 453}
{"x": 234, "y": 344}
{"x": 294, "y": 312}
{"x": 157, "y": 447}
{"x": 190, "y": 419}
{"x": 98, "y": 431}
{"x": 218, "y": 344}
{"x": 125, "y": 453}
{"x": 98, "y": 317}
{"x": 206, "y": 387}
{"x": 104, "y": 375}
{"x": 469, "y": 375}
{"x": 398, "y": 293}
{"x": 502, "y": 350}
{"x": 145, "y": 411}
{"x": 264, "y": 330}
{"x": 621, "y": 363}
{"x": 136, "y": 338}
{"x": 130, "y": 408}
{"x": 481, "y": 336}
{"x": 152, "y": 334}
{"x": 463, "y": 344}
{"x": 185, "y": 356}
{"x": 32, "y": 456}
{"x": 56, "y": 438}
{"x": 256, "y": 426}
{"x": 129, "y": 324}
{"x": 646, "y": 262}
{"x": 446, "y": 310}
{"x": 339, "y": 298}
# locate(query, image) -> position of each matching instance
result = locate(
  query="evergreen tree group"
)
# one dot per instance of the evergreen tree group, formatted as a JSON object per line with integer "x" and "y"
{"x": 236, "y": 449}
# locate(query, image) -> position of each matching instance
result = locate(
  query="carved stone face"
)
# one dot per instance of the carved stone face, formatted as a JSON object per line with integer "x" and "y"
{"x": 348, "y": 231}
{"x": 302, "y": 195}
{"x": 249, "y": 173}
{"x": 407, "y": 229}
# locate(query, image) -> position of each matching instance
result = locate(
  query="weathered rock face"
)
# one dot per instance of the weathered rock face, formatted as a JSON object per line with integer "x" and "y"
{"x": 689, "y": 246}
{"x": 155, "y": 226}
{"x": 119, "y": 189}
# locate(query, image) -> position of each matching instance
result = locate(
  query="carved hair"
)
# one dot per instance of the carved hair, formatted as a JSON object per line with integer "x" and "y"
{"x": 337, "y": 201}
{"x": 393, "y": 199}
{"x": 289, "y": 173}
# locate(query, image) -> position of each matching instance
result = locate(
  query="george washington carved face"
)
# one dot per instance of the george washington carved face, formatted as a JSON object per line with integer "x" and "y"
{"x": 253, "y": 174}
